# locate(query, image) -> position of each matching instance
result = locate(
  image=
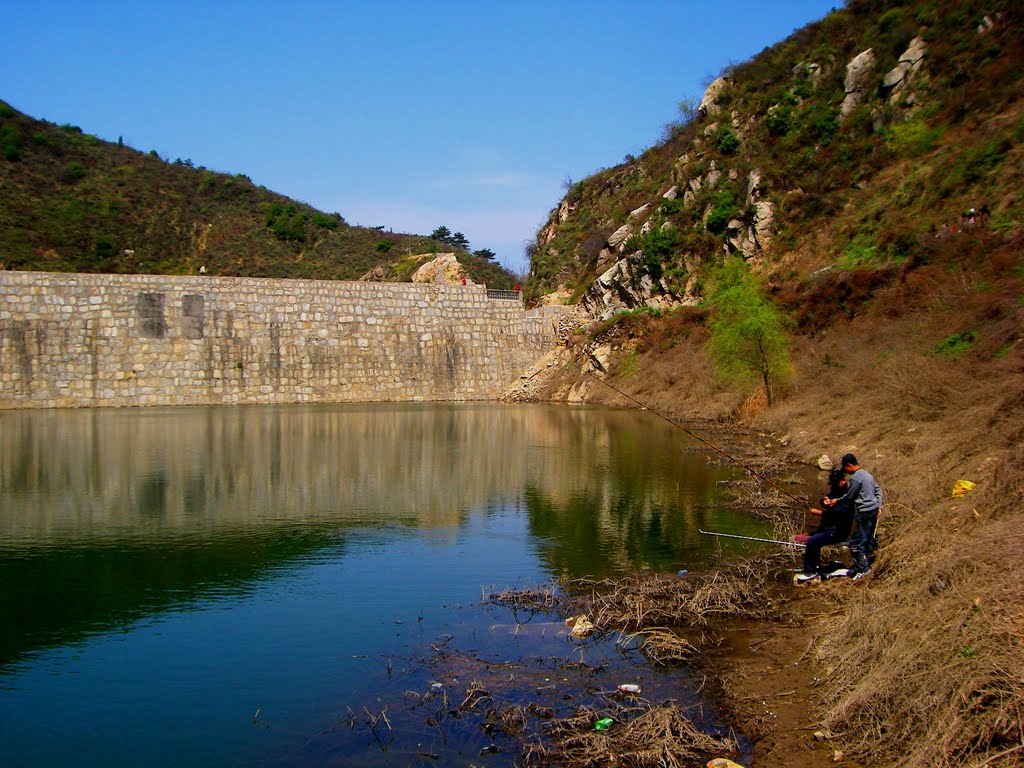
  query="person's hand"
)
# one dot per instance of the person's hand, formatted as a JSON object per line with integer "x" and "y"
{"x": 801, "y": 538}
{"x": 829, "y": 502}
{"x": 814, "y": 511}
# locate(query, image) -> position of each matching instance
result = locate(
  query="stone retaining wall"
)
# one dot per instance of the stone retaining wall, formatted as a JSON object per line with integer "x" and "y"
{"x": 73, "y": 340}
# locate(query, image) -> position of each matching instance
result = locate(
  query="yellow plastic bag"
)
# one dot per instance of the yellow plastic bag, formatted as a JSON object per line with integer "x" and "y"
{"x": 962, "y": 488}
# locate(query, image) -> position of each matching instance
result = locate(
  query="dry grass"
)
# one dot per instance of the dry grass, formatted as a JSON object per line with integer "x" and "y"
{"x": 659, "y": 736}
{"x": 929, "y": 664}
{"x": 643, "y": 602}
{"x": 536, "y": 599}
{"x": 925, "y": 664}
{"x": 666, "y": 618}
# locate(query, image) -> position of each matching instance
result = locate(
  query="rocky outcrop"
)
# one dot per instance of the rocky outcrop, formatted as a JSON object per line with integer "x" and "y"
{"x": 856, "y": 74}
{"x": 709, "y": 105}
{"x": 444, "y": 269}
{"x": 626, "y": 285}
{"x": 619, "y": 236}
{"x": 809, "y": 69}
{"x": 753, "y": 237}
{"x": 764, "y": 224}
{"x": 379, "y": 274}
{"x": 901, "y": 78}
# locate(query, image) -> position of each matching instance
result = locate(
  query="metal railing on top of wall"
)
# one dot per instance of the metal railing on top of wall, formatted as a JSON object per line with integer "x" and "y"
{"x": 493, "y": 293}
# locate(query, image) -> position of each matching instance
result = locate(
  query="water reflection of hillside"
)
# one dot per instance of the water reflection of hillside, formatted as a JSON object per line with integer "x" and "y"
{"x": 103, "y": 473}
{"x": 111, "y": 516}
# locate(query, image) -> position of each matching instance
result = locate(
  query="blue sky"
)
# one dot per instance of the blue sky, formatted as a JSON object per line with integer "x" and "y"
{"x": 396, "y": 113}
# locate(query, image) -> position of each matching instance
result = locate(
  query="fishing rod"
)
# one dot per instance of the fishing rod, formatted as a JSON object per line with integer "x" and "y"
{"x": 754, "y": 538}
{"x": 708, "y": 443}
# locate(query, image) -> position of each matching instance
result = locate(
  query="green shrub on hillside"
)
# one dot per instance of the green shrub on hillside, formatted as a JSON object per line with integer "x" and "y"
{"x": 286, "y": 222}
{"x": 723, "y": 209}
{"x": 822, "y": 123}
{"x": 10, "y": 142}
{"x": 6, "y": 110}
{"x": 726, "y": 140}
{"x": 954, "y": 345}
{"x": 862, "y": 250}
{"x": 671, "y": 207}
{"x": 327, "y": 221}
{"x": 74, "y": 171}
{"x": 912, "y": 138}
{"x": 657, "y": 245}
{"x": 779, "y": 120}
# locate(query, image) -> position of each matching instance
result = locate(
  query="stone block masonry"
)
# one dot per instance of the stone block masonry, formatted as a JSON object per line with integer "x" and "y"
{"x": 76, "y": 340}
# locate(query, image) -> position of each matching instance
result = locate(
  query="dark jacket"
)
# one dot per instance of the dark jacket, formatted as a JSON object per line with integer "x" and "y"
{"x": 840, "y": 515}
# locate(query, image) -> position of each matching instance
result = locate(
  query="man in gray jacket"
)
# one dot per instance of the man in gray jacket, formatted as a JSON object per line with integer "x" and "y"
{"x": 867, "y": 501}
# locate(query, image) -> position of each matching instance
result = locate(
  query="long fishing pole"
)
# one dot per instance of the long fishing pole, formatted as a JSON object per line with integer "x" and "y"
{"x": 754, "y": 538}
{"x": 677, "y": 425}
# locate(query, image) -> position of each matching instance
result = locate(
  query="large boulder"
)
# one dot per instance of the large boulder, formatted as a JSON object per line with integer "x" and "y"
{"x": 445, "y": 268}
{"x": 764, "y": 223}
{"x": 753, "y": 186}
{"x": 639, "y": 211}
{"x": 709, "y": 104}
{"x": 902, "y": 76}
{"x": 856, "y": 74}
{"x": 619, "y": 236}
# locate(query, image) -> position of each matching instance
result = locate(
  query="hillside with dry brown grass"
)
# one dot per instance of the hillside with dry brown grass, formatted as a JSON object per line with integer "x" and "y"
{"x": 906, "y": 344}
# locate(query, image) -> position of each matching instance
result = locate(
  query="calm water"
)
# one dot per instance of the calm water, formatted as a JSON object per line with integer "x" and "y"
{"x": 247, "y": 586}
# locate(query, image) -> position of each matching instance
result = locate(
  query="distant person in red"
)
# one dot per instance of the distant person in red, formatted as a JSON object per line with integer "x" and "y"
{"x": 517, "y": 287}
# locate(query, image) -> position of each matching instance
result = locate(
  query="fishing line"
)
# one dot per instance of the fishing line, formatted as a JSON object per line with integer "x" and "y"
{"x": 708, "y": 443}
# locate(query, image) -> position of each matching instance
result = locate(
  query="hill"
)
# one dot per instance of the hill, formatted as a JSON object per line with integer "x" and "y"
{"x": 839, "y": 169}
{"x": 70, "y": 202}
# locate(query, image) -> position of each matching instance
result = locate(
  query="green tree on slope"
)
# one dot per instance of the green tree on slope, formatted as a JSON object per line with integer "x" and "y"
{"x": 748, "y": 332}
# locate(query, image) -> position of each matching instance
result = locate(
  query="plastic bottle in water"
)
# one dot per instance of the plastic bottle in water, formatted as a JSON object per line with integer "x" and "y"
{"x": 628, "y": 688}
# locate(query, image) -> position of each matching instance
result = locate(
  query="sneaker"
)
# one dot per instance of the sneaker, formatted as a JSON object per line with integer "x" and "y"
{"x": 837, "y": 573}
{"x": 805, "y": 577}
{"x": 858, "y": 575}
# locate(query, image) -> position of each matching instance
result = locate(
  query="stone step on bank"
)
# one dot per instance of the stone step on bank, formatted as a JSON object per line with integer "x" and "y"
{"x": 81, "y": 340}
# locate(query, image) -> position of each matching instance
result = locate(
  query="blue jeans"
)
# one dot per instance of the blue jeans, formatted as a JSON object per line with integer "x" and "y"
{"x": 863, "y": 542}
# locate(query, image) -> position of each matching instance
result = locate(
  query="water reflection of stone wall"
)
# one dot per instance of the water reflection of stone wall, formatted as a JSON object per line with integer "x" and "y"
{"x": 69, "y": 340}
{"x": 191, "y": 472}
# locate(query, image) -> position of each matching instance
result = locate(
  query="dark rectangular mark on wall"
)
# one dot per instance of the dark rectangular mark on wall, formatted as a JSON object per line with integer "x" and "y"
{"x": 151, "y": 315}
{"x": 192, "y": 316}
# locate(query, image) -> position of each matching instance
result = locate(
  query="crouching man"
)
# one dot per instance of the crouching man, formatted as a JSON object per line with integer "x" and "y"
{"x": 866, "y": 496}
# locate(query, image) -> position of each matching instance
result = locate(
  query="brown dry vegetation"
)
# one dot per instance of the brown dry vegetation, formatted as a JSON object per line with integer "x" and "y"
{"x": 655, "y": 736}
{"x": 925, "y": 663}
